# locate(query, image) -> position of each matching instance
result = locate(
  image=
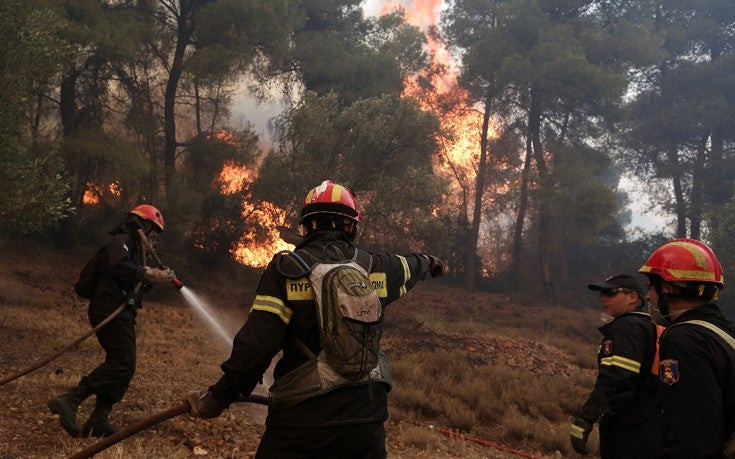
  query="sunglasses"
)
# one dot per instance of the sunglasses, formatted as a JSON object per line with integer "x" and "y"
{"x": 615, "y": 291}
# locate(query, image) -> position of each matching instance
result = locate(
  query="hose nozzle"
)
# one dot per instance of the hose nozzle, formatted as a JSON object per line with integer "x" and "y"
{"x": 177, "y": 283}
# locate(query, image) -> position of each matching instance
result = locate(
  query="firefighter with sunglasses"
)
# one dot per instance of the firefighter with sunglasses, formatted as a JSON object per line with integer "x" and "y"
{"x": 623, "y": 400}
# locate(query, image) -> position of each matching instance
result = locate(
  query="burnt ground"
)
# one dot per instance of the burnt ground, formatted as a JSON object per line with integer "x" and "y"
{"x": 177, "y": 354}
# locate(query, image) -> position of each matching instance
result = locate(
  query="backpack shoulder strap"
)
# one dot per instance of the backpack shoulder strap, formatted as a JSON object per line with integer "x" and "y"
{"x": 726, "y": 337}
{"x": 291, "y": 265}
{"x": 304, "y": 348}
{"x": 364, "y": 259}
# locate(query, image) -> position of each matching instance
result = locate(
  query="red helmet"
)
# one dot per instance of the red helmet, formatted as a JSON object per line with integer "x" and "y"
{"x": 150, "y": 213}
{"x": 685, "y": 260}
{"x": 330, "y": 198}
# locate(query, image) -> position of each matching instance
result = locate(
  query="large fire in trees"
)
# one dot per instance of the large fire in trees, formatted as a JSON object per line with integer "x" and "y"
{"x": 258, "y": 245}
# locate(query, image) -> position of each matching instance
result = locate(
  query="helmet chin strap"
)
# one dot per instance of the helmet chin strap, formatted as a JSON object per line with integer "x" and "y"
{"x": 663, "y": 298}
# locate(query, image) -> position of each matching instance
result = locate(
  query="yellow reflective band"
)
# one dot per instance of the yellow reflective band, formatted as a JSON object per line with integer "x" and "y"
{"x": 577, "y": 432}
{"x": 622, "y": 362}
{"x": 689, "y": 274}
{"x": 696, "y": 253}
{"x": 645, "y": 269}
{"x": 273, "y": 305}
{"x": 309, "y": 196}
{"x": 406, "y": 275}
{"x": 380, "y": 284}
{"x": 714, "y": 328}
{"x": 337, "y": 193}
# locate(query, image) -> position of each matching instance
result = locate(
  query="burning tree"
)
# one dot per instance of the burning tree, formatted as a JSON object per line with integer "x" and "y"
{"x": 381, "y": 148}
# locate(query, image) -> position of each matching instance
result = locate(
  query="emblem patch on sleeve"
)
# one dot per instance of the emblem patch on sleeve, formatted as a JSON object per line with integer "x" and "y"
{"x": 607, "y": 347}
{"x": 668, "y": 370}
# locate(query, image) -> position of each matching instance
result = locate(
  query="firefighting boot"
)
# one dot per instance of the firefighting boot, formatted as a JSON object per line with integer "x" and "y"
{"x": 98, "y": 424}
{"x": 66, "y": 406}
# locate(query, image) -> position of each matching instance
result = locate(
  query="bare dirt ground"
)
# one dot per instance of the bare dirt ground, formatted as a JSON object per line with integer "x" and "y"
{"x": 177, "y": 353}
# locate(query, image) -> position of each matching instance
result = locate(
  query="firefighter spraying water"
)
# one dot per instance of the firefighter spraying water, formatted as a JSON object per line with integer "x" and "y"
{"x": 118, "y": 272}
{"x": 335, "y": 382}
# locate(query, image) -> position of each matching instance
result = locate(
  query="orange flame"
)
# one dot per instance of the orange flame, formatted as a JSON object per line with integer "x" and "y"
{"x": 257, "y": 249}
{"x": 232, "y": 178}
{"x": 93, "y": 193}
{"x": 451, "y": 103}
{"x": 460, "y": 120}
{"x": 254, "y": 248}
{"x": 226, "y": 137}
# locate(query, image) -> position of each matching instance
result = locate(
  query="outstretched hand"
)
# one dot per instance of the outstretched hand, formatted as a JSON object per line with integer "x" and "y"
{"x": 436, "y": 266}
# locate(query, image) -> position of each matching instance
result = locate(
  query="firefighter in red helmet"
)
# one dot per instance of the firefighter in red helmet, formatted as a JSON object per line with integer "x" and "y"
{"x": 697, "y": 350}
{"x": 118, "y": 267}
{"x": 322, "y": 305}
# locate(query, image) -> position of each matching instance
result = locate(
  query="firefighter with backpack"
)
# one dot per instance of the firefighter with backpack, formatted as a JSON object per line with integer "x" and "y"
{"x": 323, "y": 305}
{"x": 696, "y": 353}
{"x": 112, "y": 277}
{"x": 623, "y": 400}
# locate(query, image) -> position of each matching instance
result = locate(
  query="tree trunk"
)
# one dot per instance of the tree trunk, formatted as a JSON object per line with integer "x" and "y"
{"x": 68, "y": 102}
{"x": 545, "y": 218}
{"x": 522, "y": 208}
{"x": 720, "y": 177}
{"x": 183, "y": 35}
{"x": 37, "y": 118}
{"x": 69, "y": 113}
{"x": 471, "y": 262}
{"x": 679, "y": 203}
{"x": 197, "y": 106}
{"x": 695, "y": 213}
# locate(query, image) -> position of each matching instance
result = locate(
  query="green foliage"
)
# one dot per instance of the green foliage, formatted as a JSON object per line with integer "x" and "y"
{"x": 230, "y": 35}
{"x": 105, "y": 158}
{"x": 681, "y": 127}
{"x": 32, "y": 185}
{"x": 381, "y": 148}
{"x": 339, "y": 50}
{"x": 33, "y": 190}
{"x": 29, "y": 57}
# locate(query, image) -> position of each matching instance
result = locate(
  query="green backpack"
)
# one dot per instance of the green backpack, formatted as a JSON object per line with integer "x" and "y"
{"x": 350, "y": 318}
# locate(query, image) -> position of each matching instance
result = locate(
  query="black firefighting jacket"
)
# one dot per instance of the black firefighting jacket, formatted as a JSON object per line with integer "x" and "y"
{"x": 120, "y": 269}
{"x": 623, "y": 399}
{"x": 283, "y": 309}
{"x": 697, "y": 390}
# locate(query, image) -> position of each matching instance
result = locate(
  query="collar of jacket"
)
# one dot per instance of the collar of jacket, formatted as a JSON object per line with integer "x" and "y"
{"x": 324, "y": 236}
{"x": 641, "y": 311}
{"x": 700, "y": 312}
{"x": 129, "y": 227}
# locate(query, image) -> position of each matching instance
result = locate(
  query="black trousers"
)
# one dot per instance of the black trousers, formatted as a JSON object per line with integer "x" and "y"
{"x": 111, "y": 379}
{"x": 357, "y": 441}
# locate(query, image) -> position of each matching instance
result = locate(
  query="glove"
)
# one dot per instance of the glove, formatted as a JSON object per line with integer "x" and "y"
{"x": 159, "y": 275}
{"x": 730, "y": 447}
{"x": 580, "y": 433}
{"x": 204, "y": 405}
{"x": 436, "y": 266}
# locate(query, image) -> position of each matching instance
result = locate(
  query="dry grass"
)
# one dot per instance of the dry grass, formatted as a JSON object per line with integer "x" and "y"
{"x": 507, "y": 403}
{"x": 448, "y": 389}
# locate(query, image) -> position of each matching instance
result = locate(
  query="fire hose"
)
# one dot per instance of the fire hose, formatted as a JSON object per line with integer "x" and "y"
{"x": 146, "y": 423}
{"x": 488, "y": 444}
{"x": 147, "y": 247}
